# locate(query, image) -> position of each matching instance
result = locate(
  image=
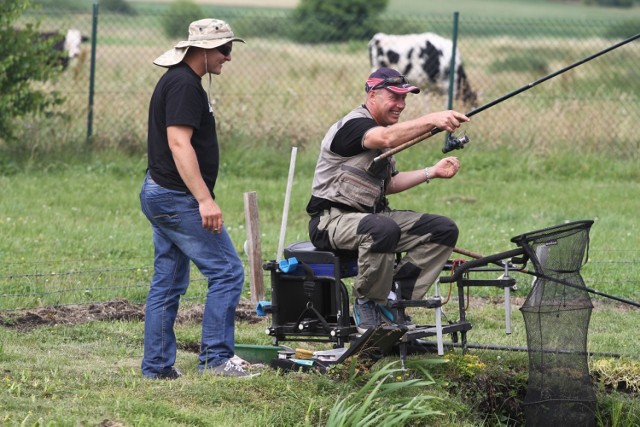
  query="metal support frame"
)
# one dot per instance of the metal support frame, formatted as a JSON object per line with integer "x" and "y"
{"x": 313, "y": 326}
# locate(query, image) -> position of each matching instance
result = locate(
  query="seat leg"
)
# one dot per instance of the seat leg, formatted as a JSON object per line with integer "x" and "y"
{"x": 438, "y": 313}
{"x": 403, "y": 354}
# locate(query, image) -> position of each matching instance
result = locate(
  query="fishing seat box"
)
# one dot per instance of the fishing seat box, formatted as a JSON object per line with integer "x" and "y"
{"x": 310, "y": 302}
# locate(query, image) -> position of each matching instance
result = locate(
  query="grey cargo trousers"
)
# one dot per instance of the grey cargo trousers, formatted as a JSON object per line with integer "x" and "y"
{"x": 426, "y": 241}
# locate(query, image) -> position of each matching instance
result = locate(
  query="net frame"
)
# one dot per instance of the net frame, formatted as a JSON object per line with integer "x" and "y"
{"x": 557, "y": 312}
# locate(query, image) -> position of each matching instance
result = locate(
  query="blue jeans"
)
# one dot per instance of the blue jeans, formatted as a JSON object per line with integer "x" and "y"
{"x": 178, "y": 238}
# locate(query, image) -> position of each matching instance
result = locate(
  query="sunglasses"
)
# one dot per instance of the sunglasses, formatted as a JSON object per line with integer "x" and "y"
{"x": 391, "y": 81}
{"x": 225, "y": 49}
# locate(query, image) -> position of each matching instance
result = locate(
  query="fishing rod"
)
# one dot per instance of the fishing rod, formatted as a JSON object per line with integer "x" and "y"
{"x": 480, "y": 260}
{"x": 456, "y": 143}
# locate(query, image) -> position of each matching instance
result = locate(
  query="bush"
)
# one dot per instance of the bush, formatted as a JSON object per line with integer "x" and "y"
{"x": 320, "y": 21}
{"x": 118, "y": 6}
{"x": 26, "y": 60}
{"x": 178, "y": 16}
{"x": 64, "y": 5}
{"x": 611, "y": 3}
{"x": 262, "y": 25}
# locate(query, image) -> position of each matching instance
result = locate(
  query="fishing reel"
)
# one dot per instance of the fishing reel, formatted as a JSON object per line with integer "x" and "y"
{"x": 455, "y": 143}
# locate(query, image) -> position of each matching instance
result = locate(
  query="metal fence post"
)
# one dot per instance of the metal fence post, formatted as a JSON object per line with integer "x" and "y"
{"x": 452, "y": 66}
{"x": 92, "y": 74}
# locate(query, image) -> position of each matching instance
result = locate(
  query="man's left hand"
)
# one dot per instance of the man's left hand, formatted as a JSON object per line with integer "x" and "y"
{"x": 446, "y": 168}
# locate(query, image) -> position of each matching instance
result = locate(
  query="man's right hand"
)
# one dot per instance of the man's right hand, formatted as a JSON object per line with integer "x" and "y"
{"x": 211, "y": 216}
{"x": 448, "y": 120}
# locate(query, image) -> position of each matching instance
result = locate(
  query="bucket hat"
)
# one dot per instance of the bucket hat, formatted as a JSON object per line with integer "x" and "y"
{"x": 204, "y": 33}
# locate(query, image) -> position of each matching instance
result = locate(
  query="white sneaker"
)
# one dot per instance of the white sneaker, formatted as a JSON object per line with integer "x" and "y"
{"x": 230, "y": 369}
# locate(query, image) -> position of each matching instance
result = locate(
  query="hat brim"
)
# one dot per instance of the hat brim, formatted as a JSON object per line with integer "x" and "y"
{"x": 171, "y": 57}
{"x": 176, "y": 55}
{"x": 208, "y": 44}
{"x": 403, "y": 89}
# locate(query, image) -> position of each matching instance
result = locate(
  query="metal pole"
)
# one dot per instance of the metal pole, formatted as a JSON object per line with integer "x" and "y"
{"x": 92, "y": 73}
{"x": 507, "y": 301}
{"x": 438, "y": 313}
{"x": 452, "y": 65}
{"x": 425, "y": 344}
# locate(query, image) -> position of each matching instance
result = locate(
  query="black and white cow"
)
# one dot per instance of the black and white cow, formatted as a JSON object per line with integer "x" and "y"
{"x": 424, "y": 59}
{"x": 68, "y": 45}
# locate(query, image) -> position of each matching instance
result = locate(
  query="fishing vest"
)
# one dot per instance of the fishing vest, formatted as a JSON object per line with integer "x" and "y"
{"x": 349, "y": 180}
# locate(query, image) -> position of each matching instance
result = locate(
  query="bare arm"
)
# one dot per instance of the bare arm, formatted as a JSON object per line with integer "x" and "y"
{"x": 445, "y": 168}
{"x": 187, "y": 163}
{"x": 399, "y": 133}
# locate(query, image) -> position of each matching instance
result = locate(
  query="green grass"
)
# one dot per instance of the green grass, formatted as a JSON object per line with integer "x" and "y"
{"x": 89, "y": 374}
{"x": 79, "y": 214}
{"x": 85, "y": 215}
{"x": 72, "y": 233}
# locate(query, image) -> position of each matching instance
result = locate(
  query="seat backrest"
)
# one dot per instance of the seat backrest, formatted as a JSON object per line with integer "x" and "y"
{"x": 323, "y": 262}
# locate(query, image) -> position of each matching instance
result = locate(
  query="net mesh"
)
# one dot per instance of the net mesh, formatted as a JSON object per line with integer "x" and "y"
{"x": 556, "y": 314}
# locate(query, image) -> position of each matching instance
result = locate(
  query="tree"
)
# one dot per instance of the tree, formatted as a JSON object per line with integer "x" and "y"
{"x": 612, "y": 3}
{"x": 25, "y": 59}
{"x": 178, "y": 16}
{"x": 319, "y": 21}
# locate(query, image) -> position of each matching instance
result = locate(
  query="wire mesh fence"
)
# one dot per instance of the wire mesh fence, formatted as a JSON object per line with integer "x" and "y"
{"x": 285, "y": 92}
{"x": 29, "y": 284}
{"x": 279, "y": 90}
{"x": 78, "y": 291}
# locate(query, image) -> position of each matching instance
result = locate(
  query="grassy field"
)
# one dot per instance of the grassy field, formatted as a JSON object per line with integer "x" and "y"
{"x": 76, "y": 220}
{"x": 76, "y": 252}
{"x": 74, "y": 216}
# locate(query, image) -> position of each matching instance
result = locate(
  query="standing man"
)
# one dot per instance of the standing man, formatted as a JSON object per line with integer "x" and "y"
{"x": 178, "y": 199}
{"x": 349, "y": 208}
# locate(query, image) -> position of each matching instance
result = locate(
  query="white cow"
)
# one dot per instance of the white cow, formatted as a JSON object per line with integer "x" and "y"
{"x": 424, "y": 59}
{"x": 73, "y": 41}
{"x": 69, "y": 45}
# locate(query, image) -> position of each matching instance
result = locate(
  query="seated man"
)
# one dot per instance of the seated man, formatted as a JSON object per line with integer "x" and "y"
{"x": 349, "y": 208}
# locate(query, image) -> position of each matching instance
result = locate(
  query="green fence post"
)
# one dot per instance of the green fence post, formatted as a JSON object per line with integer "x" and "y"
{"x": 92, "y": 73}
{"x": 452, "y": 68}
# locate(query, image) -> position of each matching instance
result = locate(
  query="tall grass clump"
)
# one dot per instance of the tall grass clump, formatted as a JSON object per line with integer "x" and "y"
{"x": 618, "y": 411}
{"x": 388, "y": 398}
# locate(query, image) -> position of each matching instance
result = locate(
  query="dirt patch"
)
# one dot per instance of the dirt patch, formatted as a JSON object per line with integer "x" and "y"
{"x": 124, "y": 310}
{"x": 107, "y": 311}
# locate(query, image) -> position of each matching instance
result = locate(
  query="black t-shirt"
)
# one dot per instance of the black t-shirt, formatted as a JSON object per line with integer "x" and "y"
{"x": 348, "y": 140}
{"x": 347, "y": 143}
{"x": 179, "y": 99}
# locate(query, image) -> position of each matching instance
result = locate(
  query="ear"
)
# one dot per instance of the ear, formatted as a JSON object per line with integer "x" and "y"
{"x": 372, "y": 94}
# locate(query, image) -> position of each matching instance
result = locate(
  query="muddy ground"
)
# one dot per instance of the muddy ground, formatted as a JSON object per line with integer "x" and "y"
{"x": 110, "y": 310}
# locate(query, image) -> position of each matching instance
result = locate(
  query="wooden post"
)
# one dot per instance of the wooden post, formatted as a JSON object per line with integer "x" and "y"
{"x": 253, "y": 246}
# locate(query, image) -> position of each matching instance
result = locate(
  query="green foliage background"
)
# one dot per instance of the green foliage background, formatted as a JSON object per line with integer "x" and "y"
{"x": 25, "y": 61}
{"x": 178, "y": 17}
{"x": 315, "y": 21}
{"x": 73, "y": 235}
